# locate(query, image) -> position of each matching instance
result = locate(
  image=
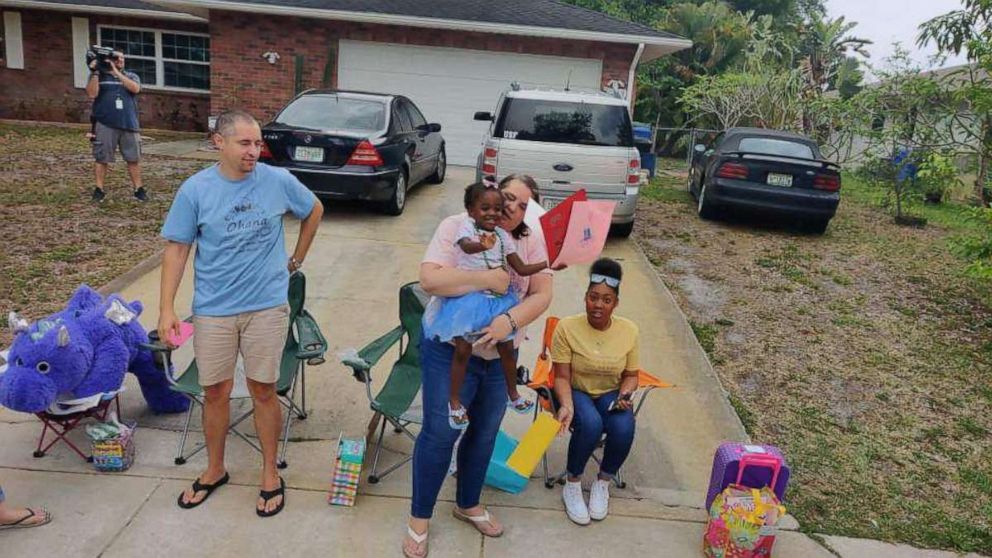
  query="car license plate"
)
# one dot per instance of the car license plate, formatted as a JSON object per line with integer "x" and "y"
{"x": 310, "y": 154}
{"x": 550, "y": 203}
{"x": 779, "y": 179}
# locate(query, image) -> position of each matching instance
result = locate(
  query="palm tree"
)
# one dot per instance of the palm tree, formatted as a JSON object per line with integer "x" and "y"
{"x": 823, "y": 50}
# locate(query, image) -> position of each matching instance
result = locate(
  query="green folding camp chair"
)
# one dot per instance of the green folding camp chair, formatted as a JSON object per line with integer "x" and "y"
{"x": 393, "y": 402}
{"x": 305, "y": 345}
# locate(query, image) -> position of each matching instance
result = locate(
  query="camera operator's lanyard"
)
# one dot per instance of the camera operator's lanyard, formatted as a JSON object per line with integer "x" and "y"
{"x": 119, "y": 101}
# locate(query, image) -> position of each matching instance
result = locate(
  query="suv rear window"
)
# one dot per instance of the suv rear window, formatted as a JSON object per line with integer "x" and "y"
{"x": 768, "y": 146}
{"x": 565, "y": 122}
{"x": 333, "y": 112}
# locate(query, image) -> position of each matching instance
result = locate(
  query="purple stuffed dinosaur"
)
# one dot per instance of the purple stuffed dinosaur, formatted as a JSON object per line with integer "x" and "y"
{"x": 82, "y": 351}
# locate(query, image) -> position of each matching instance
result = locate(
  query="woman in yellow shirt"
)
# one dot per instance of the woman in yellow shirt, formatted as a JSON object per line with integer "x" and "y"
{"x": 595, "y": 358}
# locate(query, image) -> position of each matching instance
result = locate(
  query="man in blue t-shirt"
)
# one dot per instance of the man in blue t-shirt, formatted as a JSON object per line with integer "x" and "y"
{"x": 115, "y": 122}
{"x": 233, "y": 211}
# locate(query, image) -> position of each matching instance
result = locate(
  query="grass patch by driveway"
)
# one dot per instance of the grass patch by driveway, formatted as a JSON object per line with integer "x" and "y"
{"x": 863, "y": 353}
{"x": 55, "y": 238}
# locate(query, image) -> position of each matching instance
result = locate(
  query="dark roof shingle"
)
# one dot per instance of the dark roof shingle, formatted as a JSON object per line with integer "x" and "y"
{"x": 119, "y": 4}
{"x": 535, "y": 13}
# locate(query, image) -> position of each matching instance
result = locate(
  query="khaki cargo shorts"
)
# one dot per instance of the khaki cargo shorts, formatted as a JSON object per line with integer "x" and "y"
{"x": 259, "y": 336}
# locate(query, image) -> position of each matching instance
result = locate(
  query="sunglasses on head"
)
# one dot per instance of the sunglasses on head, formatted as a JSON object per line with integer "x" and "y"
{"x": 596, "y": 279}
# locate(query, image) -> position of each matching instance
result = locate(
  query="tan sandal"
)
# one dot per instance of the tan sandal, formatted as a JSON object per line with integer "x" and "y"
{"x": 479, "y": 522}
{"x": 42, "y": 518}
{"x": 418, "y": 539}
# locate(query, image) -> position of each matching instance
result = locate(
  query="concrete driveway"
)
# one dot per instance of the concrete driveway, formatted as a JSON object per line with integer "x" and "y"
{"x": 358, "y": 261}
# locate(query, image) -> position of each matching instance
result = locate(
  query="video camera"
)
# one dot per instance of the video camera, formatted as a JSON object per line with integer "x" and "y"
{"x": 103, "y": 55}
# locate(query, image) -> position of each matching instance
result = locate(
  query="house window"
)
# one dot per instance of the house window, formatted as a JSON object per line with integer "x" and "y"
{"x": 163, "y": 59}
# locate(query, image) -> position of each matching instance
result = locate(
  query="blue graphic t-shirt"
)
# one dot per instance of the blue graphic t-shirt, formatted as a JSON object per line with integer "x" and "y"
{"x": 240, "y": 263}
{"x": 115, "y": 106}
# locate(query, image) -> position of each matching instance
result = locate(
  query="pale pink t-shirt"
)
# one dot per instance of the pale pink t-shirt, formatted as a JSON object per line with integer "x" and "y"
{"x": 444, "y": 251}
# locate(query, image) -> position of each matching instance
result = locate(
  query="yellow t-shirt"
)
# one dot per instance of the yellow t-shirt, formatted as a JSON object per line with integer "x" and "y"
{"x": 598, "y": 358}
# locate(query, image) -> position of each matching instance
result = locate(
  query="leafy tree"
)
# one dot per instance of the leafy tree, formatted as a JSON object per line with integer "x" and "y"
{"x": 904, "y": 113}
{"x": 847, "y": 81}
{"x": 969, "y": 30}
{"x": 775, "y": 8}
{"x": 719, "y": 35}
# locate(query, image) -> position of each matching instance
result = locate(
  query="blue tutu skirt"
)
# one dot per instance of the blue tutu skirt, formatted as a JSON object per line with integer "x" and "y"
{"x": 458, "y": 316}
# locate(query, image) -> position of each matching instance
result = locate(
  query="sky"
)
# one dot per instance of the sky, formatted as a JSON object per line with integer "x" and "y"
{"x": 887, "y": 21}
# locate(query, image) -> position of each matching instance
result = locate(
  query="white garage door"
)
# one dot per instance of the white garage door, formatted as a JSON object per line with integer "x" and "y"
{"x": 450, "y": 84}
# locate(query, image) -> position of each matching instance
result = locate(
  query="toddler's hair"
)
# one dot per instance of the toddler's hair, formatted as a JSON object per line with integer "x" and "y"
{"x": 474, "y": 191}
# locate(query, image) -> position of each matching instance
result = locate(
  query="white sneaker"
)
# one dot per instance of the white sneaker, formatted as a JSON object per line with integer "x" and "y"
{"x": 599, "y": 499}
{"x": 575, "y": 505}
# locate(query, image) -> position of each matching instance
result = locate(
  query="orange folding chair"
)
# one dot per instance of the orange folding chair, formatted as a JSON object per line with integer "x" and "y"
{"x": 542, "y": 381}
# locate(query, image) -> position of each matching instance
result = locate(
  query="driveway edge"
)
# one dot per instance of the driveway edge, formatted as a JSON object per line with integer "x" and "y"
{"x": 118, "y": 283}
{"x": 690, "y": 337}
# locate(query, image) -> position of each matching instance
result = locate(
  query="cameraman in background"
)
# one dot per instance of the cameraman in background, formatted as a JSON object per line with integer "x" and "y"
{"x": 115, "y": 117}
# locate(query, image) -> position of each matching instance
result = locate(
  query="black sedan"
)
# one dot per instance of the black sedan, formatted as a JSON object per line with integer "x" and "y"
{"x": 766, "y": 172}
{"x": 360, "y": 146}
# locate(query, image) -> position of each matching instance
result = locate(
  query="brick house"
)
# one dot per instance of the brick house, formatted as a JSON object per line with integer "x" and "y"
{"x": 452, "y": 57}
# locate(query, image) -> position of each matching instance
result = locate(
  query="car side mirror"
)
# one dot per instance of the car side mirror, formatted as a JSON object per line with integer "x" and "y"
{"x": 486, "y": 116}
{"x": 428, "y": 128}
{"x": 699, "y": 148}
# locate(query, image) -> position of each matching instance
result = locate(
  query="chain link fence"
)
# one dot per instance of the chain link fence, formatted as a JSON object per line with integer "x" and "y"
{"x": 676, "y": 143}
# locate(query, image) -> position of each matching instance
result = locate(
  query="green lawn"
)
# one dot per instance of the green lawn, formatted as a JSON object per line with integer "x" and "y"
{"x": 865, "y": 354}
{"x": 55, "y": 237}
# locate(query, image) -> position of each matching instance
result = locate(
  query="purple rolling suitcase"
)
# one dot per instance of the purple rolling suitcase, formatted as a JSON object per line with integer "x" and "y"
{"x": 762, "y": 466}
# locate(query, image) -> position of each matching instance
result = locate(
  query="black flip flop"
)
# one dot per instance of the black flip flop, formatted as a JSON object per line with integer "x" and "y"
{"x": 267, "y": 495}
{"x": 198, "y": 487}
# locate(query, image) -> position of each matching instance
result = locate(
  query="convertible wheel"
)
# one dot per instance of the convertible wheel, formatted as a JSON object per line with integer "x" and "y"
{"x": 703, "y": 207}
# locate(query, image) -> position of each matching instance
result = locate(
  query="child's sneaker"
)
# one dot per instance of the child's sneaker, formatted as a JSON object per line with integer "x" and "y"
{"x": 457, "y": 418}
{"x": 520, "y": 404}
{"x": 98, "y": 195}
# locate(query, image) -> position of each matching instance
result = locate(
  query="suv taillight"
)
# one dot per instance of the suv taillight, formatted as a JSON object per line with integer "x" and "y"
{"x": 365, "y": 154}
{"x": 489, "y": 157}
{"x": 634, "y": 171}
{"x": 265, "y": 153}
{"x": 732, "y": 170}
{"x": 828, "y": 182}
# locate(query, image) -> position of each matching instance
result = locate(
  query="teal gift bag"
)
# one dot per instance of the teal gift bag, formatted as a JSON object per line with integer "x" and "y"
{"x": 498, "y": 475}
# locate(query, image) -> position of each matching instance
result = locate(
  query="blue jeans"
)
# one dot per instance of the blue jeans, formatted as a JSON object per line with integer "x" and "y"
{"x": 484, "y": 397}
{"x": 590, "y": 422}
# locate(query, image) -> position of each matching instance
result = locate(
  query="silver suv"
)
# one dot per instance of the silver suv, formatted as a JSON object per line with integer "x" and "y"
{"x": 567, "y": 141}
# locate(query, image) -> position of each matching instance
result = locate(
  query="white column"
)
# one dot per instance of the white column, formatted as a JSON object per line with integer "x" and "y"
{"x": 80, "y": 43}
{"x": 13, "y": 40}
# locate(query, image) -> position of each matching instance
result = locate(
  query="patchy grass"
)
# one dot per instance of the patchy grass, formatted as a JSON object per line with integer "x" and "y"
{"x": 55, "y": 238}
{"x": 865, "y": 354}
{"x": 706, "y": 334}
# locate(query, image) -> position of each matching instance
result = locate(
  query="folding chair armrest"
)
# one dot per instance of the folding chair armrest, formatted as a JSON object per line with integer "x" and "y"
{"x": 370, "y": 354}
{"x": 312, "y": 342}
{"x": 161, "y": 350}
{"x": 155, "y": 347}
